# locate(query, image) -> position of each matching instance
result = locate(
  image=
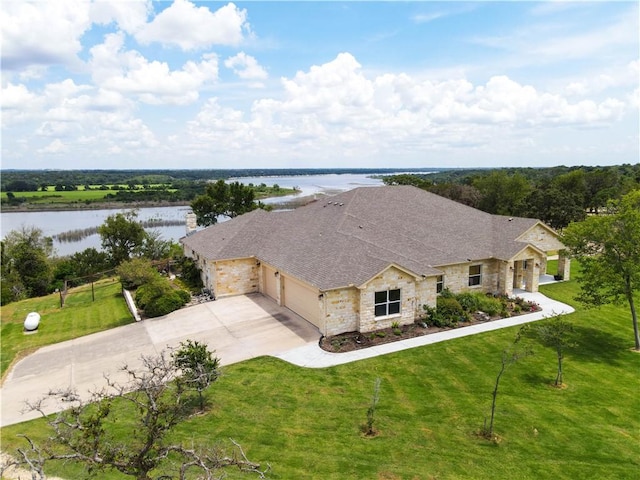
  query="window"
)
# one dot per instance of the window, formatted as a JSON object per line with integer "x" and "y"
{"x": 475, "y": 275}
{"x": 387, "y": 303}
{"x": 439, "y": 283}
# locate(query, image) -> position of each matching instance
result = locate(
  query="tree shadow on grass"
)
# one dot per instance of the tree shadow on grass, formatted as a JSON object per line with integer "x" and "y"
{"x": 538, "y": 378}
{"x": 596, "y": 346}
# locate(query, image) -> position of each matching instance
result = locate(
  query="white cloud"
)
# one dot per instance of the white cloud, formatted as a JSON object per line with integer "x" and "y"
{"x": 153, "y": 82}
{"x": 246, "y": 67}
{"x": 335, "y": 107}
{"x": 192, "y": 27}
{"x": 16, "y": 96}
{"x": 130, "y": 15}
{"x": 82, "y": 121}
{"x": 42, "y": 33}
{"x": 18, "y": 104}
{"x": 55, "y": 147}
{"x": 619, "y": 76}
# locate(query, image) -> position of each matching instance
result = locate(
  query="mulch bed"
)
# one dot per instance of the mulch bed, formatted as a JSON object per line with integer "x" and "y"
{"x": 346, "y": 342}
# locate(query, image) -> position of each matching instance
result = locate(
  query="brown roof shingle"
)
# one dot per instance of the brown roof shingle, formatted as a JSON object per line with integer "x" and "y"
{"x": 348, "y": 238}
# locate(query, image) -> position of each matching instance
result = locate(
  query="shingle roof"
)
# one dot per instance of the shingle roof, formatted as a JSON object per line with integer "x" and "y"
{"x": 349, "y": 238}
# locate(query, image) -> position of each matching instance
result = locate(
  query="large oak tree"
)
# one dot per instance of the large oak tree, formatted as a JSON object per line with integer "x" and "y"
{"x": 223, "y": 199}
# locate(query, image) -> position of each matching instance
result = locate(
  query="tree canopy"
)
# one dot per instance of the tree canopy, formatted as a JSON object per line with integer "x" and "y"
{"x": 122, "y": 236}
{"x": 223, "y": 199}
{"x": 25, "y": 267}
{"x": 608, "y": 246}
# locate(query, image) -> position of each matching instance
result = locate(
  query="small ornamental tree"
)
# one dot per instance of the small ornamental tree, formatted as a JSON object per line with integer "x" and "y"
{"x": 126, "y": 427}
{"x": 369, "y": 429}
{"x": 509, "y": 356}
{"x": 198, "y": 366}
{"x": 556, "y": 333}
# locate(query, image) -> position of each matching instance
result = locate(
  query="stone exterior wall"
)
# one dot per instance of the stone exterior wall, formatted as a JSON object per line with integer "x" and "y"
{"x": 425, "y": 294}
{"x": 542, "y": 238}
{"x": 341, "y": 309}
{"x": 456, "y": 277}
{"x": 236, "y": 277}
{"x": 390, "y": 279}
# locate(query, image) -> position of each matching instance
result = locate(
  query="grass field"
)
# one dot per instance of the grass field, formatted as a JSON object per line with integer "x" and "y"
{"x": 80, "y": 316}
{"x": 306, "y": 422}
{"x": 62, "y": 197}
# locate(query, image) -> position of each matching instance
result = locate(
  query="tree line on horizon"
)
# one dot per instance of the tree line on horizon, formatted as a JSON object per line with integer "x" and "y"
{"x": 556, "y": 195}
{"x": 32, "y": 180}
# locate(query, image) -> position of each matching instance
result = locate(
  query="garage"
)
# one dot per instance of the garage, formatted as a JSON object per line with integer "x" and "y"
{"x": 270, "y": 282}
{"x": 302, "y": 299}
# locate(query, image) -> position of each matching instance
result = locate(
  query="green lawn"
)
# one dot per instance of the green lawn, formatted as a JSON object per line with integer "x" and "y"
{"x": 306, "y": 422}
{"x": 80, "y": 316}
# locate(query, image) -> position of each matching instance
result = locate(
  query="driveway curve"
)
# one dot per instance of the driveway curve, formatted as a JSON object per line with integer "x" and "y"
{"x": 237, "y": 328}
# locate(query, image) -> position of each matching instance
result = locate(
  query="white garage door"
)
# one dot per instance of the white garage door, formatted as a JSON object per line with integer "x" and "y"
{"x": 302, "y": 299}
{"x": 270, "y": 282}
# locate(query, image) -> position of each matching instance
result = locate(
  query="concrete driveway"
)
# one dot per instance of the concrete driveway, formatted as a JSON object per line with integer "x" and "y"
{"x": 237, "y": 328}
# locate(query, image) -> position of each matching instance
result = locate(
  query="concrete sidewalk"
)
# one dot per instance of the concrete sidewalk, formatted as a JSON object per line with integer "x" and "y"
{"x": 312, "y": 356}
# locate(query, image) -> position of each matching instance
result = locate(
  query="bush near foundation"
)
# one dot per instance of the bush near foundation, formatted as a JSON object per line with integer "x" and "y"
{"x": 454, "y": 308}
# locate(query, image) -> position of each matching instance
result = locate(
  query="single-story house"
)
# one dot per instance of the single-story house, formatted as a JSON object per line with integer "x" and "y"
{"x": 372, "y": 256}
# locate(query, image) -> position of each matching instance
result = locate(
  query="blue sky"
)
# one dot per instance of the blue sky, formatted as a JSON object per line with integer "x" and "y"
{"x": 182, "y": 84}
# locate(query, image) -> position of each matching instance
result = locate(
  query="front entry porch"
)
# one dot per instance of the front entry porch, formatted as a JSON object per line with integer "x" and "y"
{"x": 526, "y": 274}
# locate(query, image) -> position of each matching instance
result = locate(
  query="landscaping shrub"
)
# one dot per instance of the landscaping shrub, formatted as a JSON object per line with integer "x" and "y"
{"x": 163, "y": 305}
{"x": 158, "y": 297}
{"x": 491, "y": 306}
{"x": 184, "y": 295}
{"x": 136, "y": 272}
{"x": 451, "y": 309}
{"x": 447, "y": 314}
{"x": 190, "y": 273}
{"x": 470, "y": 302}
{"x": 446, "y": 293}
{"x": 157, "y": 287}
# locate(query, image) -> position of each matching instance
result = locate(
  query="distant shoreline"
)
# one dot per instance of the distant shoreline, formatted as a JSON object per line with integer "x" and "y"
{"x": 71, "y": 207}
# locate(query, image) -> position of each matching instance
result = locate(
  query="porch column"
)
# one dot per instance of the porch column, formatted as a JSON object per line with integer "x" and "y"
{"x": 532, "y": 275}
{"x": 518, "y": 279}
{"x": 505, "y": 280}
{"x": 564, "y": 267}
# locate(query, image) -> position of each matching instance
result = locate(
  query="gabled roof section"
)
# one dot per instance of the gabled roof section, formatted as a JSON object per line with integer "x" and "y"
{"x": 388, "y": 267}
{"x": 349, "y": 238}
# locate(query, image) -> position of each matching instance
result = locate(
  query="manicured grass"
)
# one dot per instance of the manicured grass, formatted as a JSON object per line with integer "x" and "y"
{"x": 306, "y": 422}
{"x": 79, "y": 316}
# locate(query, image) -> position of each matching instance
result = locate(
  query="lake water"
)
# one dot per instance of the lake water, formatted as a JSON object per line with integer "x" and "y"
{"x": 53, "y": 223}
